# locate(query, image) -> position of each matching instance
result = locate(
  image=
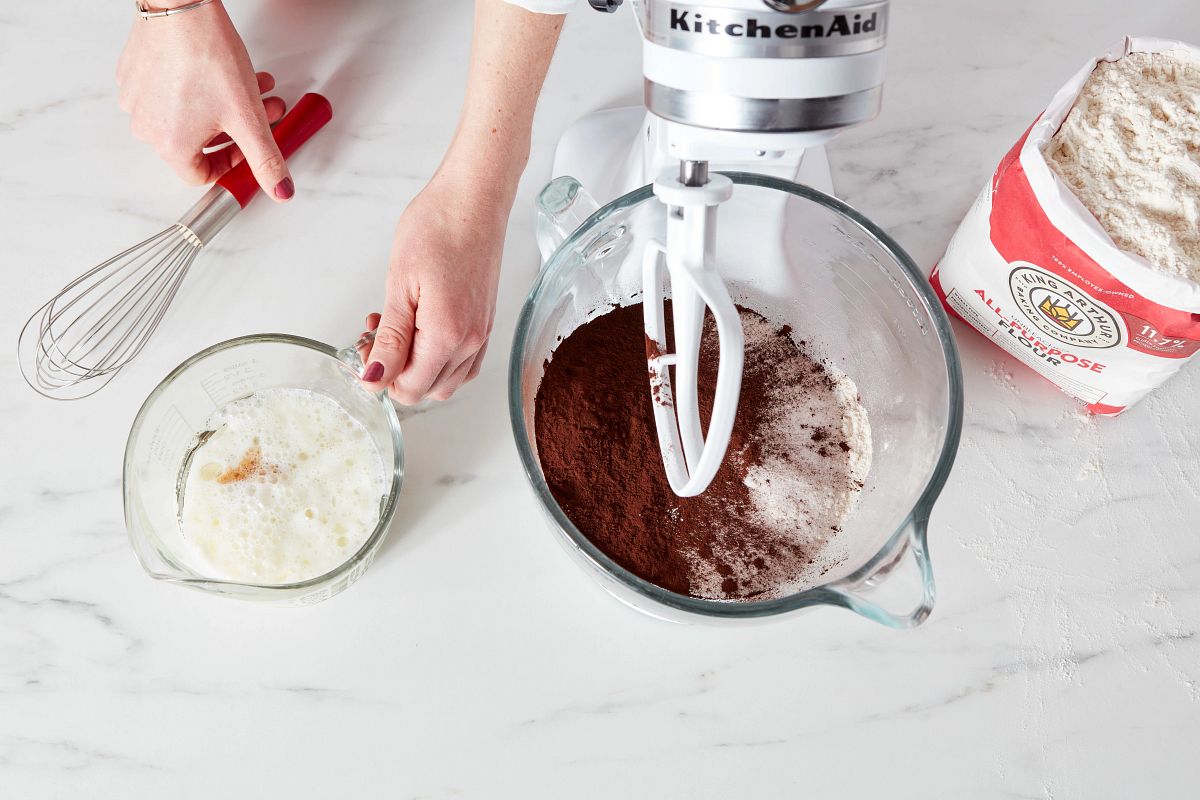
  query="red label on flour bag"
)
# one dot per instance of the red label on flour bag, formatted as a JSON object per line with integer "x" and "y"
{"x": 1031, "y": 268}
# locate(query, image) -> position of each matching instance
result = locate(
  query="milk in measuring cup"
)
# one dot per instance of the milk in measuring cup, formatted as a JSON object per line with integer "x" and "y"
{"x": 286, "y": 487}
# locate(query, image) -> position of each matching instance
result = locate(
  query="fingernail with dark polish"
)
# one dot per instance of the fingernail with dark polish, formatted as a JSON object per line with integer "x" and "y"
{"x": 373, "y": 372}
{"x": 285, "y": 189}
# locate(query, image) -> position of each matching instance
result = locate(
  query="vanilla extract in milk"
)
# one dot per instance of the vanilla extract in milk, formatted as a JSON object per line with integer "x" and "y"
{"x": 287, "y": 487}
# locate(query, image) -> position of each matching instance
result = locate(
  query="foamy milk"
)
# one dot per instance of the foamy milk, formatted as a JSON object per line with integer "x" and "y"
{"x": 287, "y": 488}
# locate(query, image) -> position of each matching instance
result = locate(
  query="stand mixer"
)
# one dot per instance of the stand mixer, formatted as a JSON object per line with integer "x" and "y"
{"x": 734, "y": 85}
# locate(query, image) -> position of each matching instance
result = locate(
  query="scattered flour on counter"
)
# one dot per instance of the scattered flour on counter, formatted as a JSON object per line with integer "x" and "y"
{"x": 1130, "y": 150}
{"x": 1094, "y": 585}
{"x": 1082, "y": 415}
{"x": 1002, "y": 376}
{"x": 1090, "y": 468}
{"x": 286, "y": 488}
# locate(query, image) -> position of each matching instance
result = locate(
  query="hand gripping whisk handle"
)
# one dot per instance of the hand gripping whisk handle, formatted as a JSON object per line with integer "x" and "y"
{"x": 237, "y": 188}
{"x": 86, "y": 333}
{"x": 307, "y": 117}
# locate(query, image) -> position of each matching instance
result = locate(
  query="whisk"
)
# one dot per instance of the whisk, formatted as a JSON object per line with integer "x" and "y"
{"x": 98, "y": 323}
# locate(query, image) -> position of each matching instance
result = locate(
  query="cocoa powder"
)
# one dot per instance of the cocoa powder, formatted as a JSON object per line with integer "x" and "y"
{"x": 600, "y": 457}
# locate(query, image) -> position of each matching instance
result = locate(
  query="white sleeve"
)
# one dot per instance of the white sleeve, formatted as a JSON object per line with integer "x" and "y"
{"x": 545, "y": 6}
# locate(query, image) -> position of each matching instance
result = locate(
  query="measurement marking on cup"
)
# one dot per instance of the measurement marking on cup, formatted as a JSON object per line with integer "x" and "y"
{"x": 229, "y": 384}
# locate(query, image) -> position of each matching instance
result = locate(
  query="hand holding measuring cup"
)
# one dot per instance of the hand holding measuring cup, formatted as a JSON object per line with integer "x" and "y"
{"x": 441, "y": 293}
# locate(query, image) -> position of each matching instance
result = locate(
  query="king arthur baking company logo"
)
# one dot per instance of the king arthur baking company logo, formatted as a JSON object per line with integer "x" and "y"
{"x": 1061, "y": 310}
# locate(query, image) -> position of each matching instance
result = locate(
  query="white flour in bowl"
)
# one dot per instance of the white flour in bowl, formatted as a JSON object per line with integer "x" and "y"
{"x": 286, "y": 488}
{"x": 1130, "y": 150}
{"x": 804, "y": 468}
{"x": 815, "y": 450}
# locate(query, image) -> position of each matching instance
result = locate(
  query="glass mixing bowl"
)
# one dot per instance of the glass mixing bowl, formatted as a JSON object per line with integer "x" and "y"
{"x": 166, "y": 426}
{"x": 802, "y": 258}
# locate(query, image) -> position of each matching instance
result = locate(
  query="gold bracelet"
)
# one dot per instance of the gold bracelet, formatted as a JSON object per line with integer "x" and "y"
{"x": 146, "y": 11}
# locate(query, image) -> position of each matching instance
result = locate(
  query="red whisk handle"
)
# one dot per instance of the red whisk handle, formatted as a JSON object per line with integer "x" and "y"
{"x": 305, "y": 118}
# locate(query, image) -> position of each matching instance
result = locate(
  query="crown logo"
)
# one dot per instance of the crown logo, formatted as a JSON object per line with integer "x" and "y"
{"x": 1061, "y": 315}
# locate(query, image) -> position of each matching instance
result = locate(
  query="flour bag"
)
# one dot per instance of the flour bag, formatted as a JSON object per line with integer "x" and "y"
{"x": 1031, "y": 268}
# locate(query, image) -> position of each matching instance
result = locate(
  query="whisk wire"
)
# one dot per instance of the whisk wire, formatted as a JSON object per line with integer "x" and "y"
{"x": 117, "y": 324}
{"x": 71, "y": 343}
{"x": 78, "y": 340}
{"x": 151, "y": 312}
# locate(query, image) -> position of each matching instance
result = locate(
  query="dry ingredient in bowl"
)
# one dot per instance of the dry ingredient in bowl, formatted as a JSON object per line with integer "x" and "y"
{"x": 286, "y": 487}
{"x": 769, "y": 522}
{"x": 1130, "y": 151}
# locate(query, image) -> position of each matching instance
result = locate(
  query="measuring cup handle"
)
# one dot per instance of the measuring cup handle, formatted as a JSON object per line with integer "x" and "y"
{"x": 349, "y": 356}
{"x": 868, "y": 594}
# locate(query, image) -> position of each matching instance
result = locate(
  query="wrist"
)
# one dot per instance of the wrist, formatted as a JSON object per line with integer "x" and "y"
{"x": 486, "y": 171}
{"x": 170, "y": 5}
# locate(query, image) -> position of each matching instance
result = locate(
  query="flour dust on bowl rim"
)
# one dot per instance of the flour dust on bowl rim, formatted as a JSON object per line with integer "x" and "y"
{"x": 804, "y": 259}
{"x": 165, "y": 432}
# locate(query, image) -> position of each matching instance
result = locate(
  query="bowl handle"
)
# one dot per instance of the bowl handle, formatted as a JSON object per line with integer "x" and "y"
{"x": 562, "y": 206}
{"x": 887, "y": 586}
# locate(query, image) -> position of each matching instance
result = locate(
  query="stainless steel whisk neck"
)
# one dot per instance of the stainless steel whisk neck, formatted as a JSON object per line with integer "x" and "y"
{"x": 211, "y": 213}
{"x": 189, "y": 235}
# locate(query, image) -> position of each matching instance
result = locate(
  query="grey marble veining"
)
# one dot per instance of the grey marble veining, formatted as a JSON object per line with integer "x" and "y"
{"x": 474, "y": 660}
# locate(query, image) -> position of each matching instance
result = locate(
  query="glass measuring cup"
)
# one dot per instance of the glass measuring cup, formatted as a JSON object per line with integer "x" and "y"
{"x": 851, "y": 293}
{"x": 166, "y": 426}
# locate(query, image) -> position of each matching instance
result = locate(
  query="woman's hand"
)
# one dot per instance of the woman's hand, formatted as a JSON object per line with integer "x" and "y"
{"x": 441, "y": 291}
{"x": 445, "y": 264}
{"x": 187, "y": 82}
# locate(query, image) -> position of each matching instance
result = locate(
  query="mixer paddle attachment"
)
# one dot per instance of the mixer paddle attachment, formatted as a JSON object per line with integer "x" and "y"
{"x": 690, "y": 458}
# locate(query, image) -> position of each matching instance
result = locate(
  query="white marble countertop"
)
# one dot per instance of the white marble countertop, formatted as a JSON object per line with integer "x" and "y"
{"x": 1062, "y": 659}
